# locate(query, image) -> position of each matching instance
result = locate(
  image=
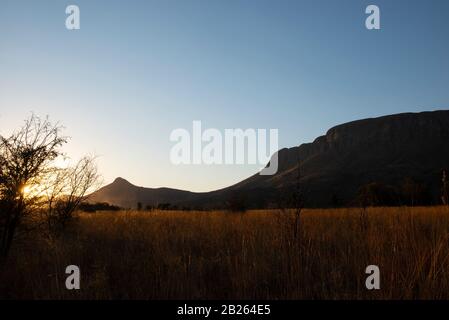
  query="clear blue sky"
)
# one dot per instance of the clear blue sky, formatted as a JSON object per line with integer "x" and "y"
{"x": 139, "y": 69}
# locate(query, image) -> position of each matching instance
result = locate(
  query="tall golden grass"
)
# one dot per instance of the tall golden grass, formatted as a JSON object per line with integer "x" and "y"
{"x": 219, "y": 255}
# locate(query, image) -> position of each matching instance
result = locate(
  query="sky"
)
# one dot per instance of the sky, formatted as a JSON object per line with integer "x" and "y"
{"x": 137, "y": 70}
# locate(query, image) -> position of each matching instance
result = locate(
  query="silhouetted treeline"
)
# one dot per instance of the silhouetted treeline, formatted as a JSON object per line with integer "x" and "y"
{"x": 236, "y": 202}
{"x": 164, "y": 207}
{"x": 102, "y": 206}
{"x": 408, "y": 193}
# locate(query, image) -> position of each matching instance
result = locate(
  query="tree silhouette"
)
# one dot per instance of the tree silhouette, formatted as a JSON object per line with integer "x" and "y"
{"x": 25, "y": 158}
{"x": 27, "y": 162}
{"x": 66, "y": 189}
{"x": 236, "y": 201}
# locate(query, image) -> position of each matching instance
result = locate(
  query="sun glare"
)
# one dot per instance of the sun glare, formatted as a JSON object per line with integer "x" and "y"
{"x": 26, "y": 191}
{"x": 30, "y": 191}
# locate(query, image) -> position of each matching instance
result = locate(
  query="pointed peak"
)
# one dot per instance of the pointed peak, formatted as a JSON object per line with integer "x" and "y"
{"x": 121, "y": 181}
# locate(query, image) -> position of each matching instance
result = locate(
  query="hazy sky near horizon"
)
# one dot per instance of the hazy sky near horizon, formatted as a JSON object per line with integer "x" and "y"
{"x": 136, "y": 70}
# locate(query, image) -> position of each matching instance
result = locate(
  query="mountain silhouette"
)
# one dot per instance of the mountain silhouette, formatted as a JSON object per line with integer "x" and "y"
{"x": 126, "y": 195}
{"x": 386, "y": 150}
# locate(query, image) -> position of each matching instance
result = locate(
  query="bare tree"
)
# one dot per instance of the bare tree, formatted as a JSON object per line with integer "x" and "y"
{"x": 67, "y": 189}
{"x": 25, "y": 159}
{"x": 32, "y": 187}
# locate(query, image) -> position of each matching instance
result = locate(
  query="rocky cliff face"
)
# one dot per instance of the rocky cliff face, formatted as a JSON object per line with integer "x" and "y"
{"x": 387, "y": 149}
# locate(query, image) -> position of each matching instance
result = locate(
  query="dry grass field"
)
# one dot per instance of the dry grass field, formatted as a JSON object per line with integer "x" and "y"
{"x": 253, "y": 255}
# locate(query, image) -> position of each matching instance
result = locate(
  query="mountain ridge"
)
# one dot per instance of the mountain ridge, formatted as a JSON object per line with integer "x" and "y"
{"x": 386, "y": 149}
